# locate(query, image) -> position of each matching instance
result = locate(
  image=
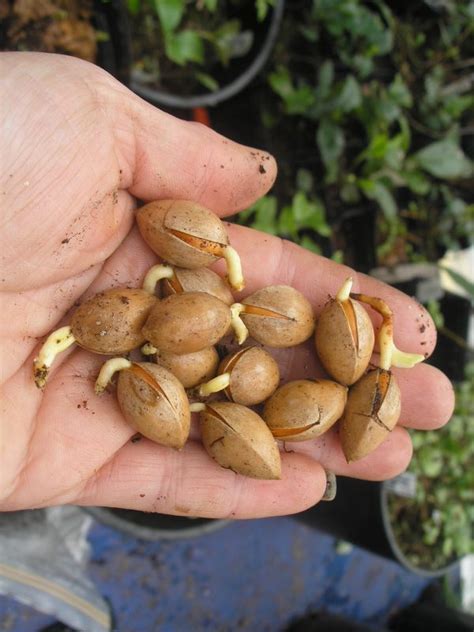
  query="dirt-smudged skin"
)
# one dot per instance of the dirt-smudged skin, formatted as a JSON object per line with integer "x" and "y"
{"x": 254, "y": 375}
{"x": 372, "y": 411}
{"x": 344, "y": 340}
{"x": 161, "y": 222}
{"x": 290, "y": 319}
{"x": 304, "y": 409}
{"x": 188, "y": 322}
{"x": 154, "y": 403}
{"x": 111, "y": 322}
{"x": 238, "y": 439}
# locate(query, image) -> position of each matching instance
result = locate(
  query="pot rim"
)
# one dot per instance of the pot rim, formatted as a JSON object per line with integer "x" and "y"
{"x": 105, "y": 516}
{"x": 161, "y": 97}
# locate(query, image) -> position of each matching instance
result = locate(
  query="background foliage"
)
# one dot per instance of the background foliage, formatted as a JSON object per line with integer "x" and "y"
{"x": 384, "y": 100}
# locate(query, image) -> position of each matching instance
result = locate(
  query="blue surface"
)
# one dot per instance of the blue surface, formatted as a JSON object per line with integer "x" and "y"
{"x": 249, "y": 575}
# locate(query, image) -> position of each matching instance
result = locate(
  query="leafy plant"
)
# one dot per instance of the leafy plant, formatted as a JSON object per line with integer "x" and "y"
{"x": 194, "y": 34}
{"x": 389, "y": 111}
{"x": 303, "y": 219}
{"x": 437, "y": 525}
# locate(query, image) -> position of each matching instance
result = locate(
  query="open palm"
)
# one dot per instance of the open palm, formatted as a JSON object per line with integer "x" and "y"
{"x": 78, "y": 150}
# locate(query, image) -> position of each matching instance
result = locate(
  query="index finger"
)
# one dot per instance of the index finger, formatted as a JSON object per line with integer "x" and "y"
{"x": 269, "y": 260}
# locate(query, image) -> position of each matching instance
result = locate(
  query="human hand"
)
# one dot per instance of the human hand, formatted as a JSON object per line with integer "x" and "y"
{"x": 78, "y": 150}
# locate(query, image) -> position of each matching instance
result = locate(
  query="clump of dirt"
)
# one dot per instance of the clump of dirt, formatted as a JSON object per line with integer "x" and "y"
{"x": 50, "y": 26}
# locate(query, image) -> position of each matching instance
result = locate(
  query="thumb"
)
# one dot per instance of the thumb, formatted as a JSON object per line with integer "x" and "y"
{"x": 172, "y": 158}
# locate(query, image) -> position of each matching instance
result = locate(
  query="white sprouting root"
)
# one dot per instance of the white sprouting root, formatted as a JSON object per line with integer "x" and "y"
{"x": 108, "y": 370}
{"x": 345, "y": 290}
{"x": 390, "y": 355}
{"x": 155, "y": 274}
{"x": 148, "y": 349}
{"x": 197, "y": 407}
{"x": 58, "y": 341}
{"x": 238, "y": 325}
{"x": 234, "y": 268}
{"x": 218, "y": 383}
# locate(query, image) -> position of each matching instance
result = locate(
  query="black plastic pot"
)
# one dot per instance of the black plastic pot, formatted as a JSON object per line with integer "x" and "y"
{"x": 356, "y": 234}
{"x": 154, "y": 526}
{"x": 118, "y": 27}
{"x": 451, "y": 355}
{"x": 113, "y": 52}
{"x": 359, "y": 514}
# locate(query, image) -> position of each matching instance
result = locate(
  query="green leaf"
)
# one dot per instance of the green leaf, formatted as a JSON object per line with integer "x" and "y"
{"x": 308, "y": 243}
{"x": 170, "y": 13}
{"x": 362, "y": 65}
{"x": 349, "y": 193}
{"x": 444, "y": 159}
{"x": 325, "y": 78}
{"x": 280, "y": 81}
{"x": 265, "y": 212}
{"x": 304, "y": 180}
{"x": 228, "y": 41}
{"x": 350, "y": 96}
{"x": 434, "y": 308}
{"x": 297, "y": 100}
{"x": 309, "y": 213}
{"x": 262, "y": 7}
{"x": 184, "y": 46}
{"x": 207, "y": 81}
{"x": 375, "y": 190}
{"x": 416, "y": 181}
{"x": 461, "y": 280}
{"x": 303, "y": 208}
{"x": 431, "y": 461}
{"x": 309, "y": 32}
{"x": 338, "y": 256}
{"x": 133, "y": 6}
{"x": 331, "y": 143}
{"x": 211, "y": 5}
{"x": 399, "y": 92}
{"x": 266, "y": 216}
{"x": 286, "y": 223}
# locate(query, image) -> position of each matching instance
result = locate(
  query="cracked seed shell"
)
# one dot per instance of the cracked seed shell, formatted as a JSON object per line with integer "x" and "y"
{"x": 163, "y": 223}
{"x": 344, "y": 339}
{"x": 285, "y": 319}
{"x": 237, "y": 438}
{"x": 372, "y": 411}
{"x": 198, "y": 280}
{"x": 304, "y": 409}
{"x": 154, "y": 403}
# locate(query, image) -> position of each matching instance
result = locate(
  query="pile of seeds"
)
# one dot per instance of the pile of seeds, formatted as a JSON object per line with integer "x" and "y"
{"x": 177, "y": 333}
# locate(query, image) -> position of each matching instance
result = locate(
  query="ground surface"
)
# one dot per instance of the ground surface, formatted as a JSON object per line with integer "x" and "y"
{"x": 249, "y": 575}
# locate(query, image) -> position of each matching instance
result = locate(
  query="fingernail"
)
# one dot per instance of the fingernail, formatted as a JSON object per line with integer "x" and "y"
{"x": 331, "y": 486}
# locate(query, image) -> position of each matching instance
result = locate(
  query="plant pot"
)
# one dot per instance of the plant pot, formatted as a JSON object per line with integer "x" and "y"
{"x": 359, "y": 514}
{"x": 113, "y": 52}
{"x": 355, "y": 230}
{"x": 154, "y": 526}
{"x": 234, "y": 81}
{"x": 420, "y": 280}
